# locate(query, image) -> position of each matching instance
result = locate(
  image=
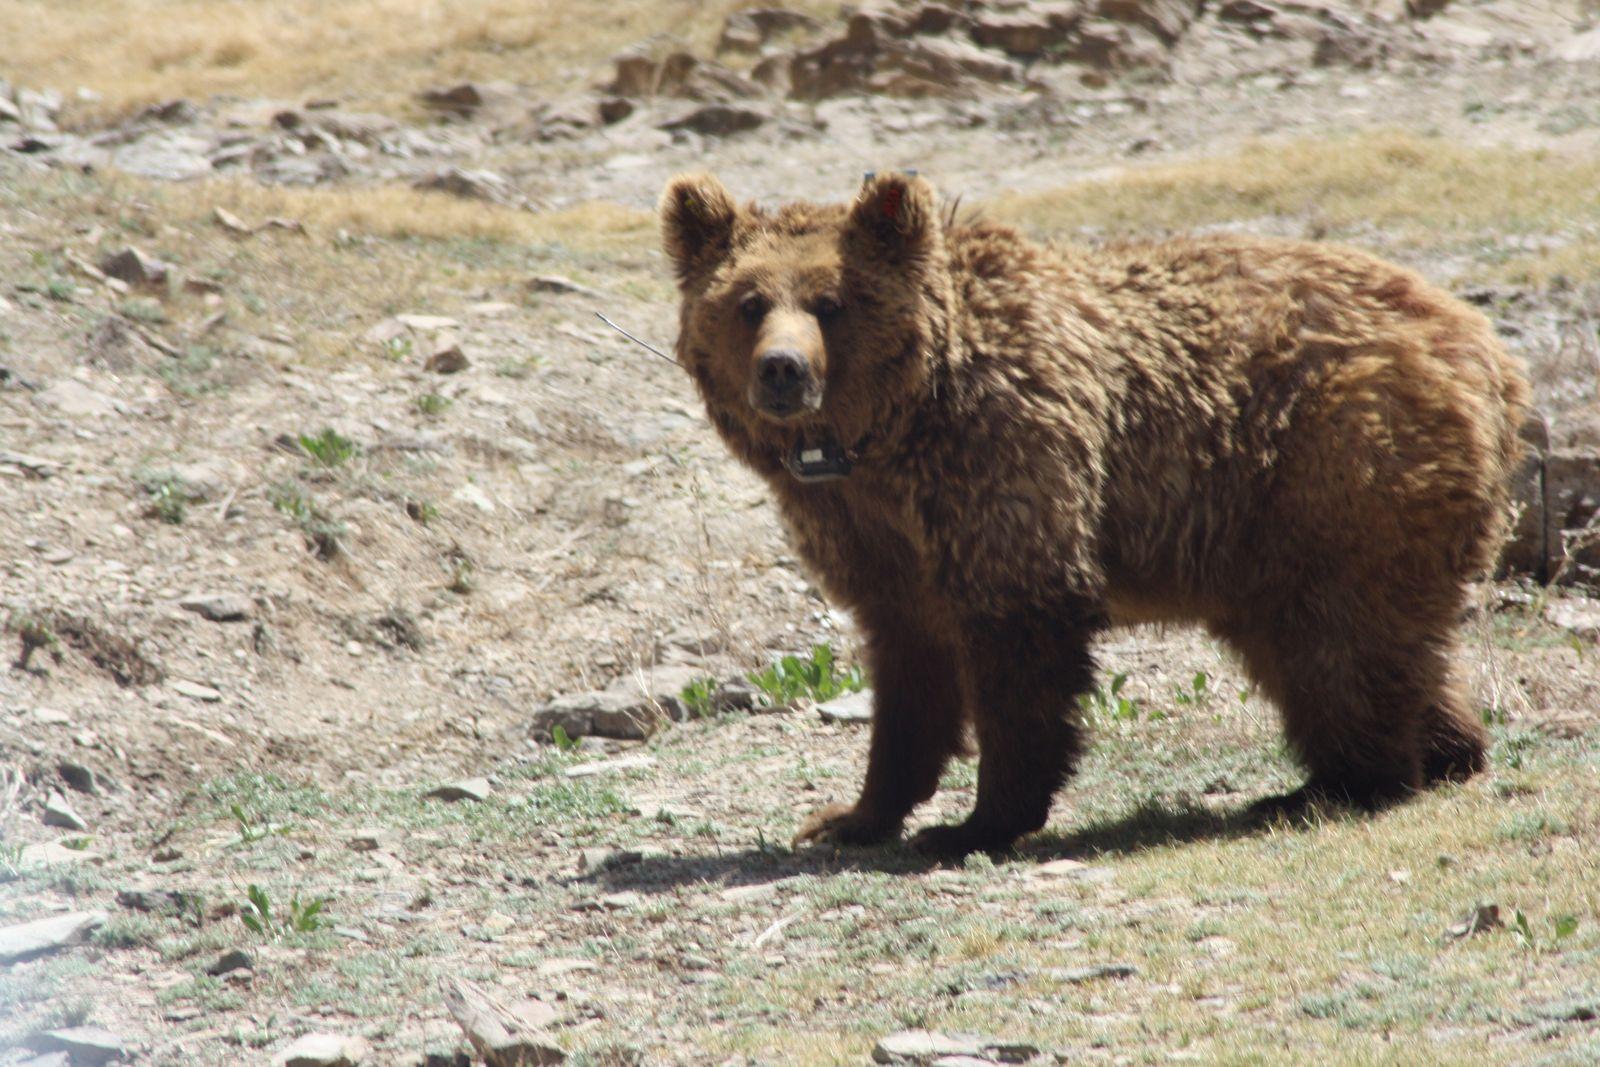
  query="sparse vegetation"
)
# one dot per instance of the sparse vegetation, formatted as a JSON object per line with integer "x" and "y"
{"x": 432, "y": 404}
{"x": 662, "y": 900}
{"x": 324, "y": 533}
{"x": 300, "y": 917}
{"x": 328, "y": 448}
{"x": 696, "y": 696}
{"x": 169, "y": 500}
{"x": 815, "y": 677}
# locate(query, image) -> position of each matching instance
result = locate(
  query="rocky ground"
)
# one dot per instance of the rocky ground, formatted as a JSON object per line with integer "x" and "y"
{"x": 326, "y": 490}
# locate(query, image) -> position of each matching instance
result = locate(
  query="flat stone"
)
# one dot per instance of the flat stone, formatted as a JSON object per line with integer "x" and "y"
{"x": 427, "y": 323}
{"x": 476, "y": 789}
{"x": 57, "y": 812}
{"x": 157, "y": 901}
{"x": 54, "y": 853}
{"x": 77, "y": 400}
{"x": 80, "y": 778}
{"x": 1584, "y": 48}
{"x": 1065, "y": 868}
{"x": 48, "y": 1059}
{"x": 135, "y": 267}
{"x": 323, "y": 1050}
{"x": 1578, "y": 614}
{"x": 920, "y": 1046}
{"x": 29, "y": 939}
{"x": 370, "y": 839}
{"x": 195, "y": 691}
{"x": 589, "y": 770}
{"x": 219, "y": 607}
{"x": 1079, "y": 975}
{"x": 236, "y": 959}
{"x": 85, "y": 1046}
{"x": 556, "y": 283}
{"x": 851, "y": 708}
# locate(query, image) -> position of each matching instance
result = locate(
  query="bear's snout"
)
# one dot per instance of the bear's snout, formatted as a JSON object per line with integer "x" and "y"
{"x": 784, "y": 385}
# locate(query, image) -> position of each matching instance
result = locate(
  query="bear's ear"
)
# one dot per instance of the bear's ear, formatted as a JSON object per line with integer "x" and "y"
{"x": 697, "y": 218}
{"x": 895, "y": 220}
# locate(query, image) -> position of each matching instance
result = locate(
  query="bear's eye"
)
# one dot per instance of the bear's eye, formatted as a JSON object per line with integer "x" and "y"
{"x": 826, "y": 307}
{"x": 753, "y": 308}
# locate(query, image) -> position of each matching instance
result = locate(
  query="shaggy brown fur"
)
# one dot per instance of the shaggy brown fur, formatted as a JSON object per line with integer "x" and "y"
{"x": 1301, "y": 447}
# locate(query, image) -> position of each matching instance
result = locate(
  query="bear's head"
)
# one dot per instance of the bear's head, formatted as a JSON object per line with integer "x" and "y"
{"x": 809, "y": 325}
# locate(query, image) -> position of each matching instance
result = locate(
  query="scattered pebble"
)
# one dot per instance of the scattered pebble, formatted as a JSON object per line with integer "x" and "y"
{"x": 476, "y": 789}
{"x": 323, "y": 1050}
{"x": 57, "y": 812}
{"x": 854, "y": 708}
{"x": 628, "y": 763}
{"x": 1079, "y": 975}
{"x": 236, "y": 959}
{"x": 219, "y": 607}
{"x": 196, "y": 691}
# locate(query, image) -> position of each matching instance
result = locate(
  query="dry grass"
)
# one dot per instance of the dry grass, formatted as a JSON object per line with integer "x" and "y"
{"x": 133, "y": 52}
{"x": 597, "y": 227}
{"x": 1420, "y": 186}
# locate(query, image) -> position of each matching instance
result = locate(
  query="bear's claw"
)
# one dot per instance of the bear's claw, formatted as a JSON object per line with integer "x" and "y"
{"x": 843, "y": 824}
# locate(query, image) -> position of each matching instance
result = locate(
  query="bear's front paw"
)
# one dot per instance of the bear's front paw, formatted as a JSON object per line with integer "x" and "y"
{"x": 844, "y": 824}
{"x": 955, "y": 840}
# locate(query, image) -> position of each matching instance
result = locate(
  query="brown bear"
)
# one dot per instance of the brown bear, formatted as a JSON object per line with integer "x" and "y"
{"x": 990, "y": 450}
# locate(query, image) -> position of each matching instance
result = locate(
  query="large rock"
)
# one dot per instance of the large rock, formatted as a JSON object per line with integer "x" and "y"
{"x": 1031, "y": 31}
{"x": 1167, "y": 19}
{"x": 1572, "y": 517}
{"x": 26, "y": 940}
{"x": 718, "y": 120}
{"x": 626, "y": 711}
{"x": 747, "y": 31}
{"x": 323, "y": 1050}
{"x": 85, "y": 1046}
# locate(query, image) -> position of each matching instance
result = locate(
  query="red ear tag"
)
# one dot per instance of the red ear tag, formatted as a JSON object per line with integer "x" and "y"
{"x": 891, "y": 201}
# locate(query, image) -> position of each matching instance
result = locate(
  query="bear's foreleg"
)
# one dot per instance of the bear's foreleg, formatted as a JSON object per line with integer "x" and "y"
{"x": 1026, "y": 674}
{"x": 916, "y": 727}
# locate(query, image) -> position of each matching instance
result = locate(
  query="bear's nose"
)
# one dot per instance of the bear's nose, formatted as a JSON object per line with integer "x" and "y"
{"x": 782, "y": 370}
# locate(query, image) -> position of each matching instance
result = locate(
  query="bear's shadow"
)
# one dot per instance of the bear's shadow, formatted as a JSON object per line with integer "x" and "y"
{"x": 1151, "y": 825}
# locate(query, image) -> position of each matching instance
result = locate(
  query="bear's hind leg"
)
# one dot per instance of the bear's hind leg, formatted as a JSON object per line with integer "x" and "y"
{"x": 1353, "y": 712}
{"x": 1454, "y": 743}
{"x": 1025, "y": 674}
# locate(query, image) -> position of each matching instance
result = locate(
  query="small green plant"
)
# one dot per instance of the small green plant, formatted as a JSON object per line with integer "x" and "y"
{"x": 325, "y": 533}
{"x": 398, "y": 348}
{"x": 142, "y": 309}
{"x": 169, "y": 500}
{"x": 1561, "y": 928}
{"x": 1198, "y": 694}
{"x": 59, "y": 289}
{"x": 10, "y": 860}
{"x": 433, "y": 404}
{"x": 696, "y": 697}
{"x": 463, "y": 574}
{"x": 817, "y": 676}
{"x": 35, "y": 633}
{"x": 251, "y": 827}
{"x": 302, "y": 917}
{"x": 1107, "y": 702}
{"x": 329, "y": 448}
{"x": 562, "y": 740}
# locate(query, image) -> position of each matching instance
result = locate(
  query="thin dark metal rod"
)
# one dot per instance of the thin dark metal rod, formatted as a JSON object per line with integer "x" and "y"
{"x": 647, "y": 346}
